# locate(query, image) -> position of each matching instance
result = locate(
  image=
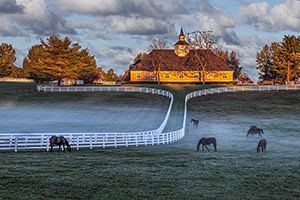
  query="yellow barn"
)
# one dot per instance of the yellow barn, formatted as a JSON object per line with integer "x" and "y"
{"x": 179, "y": 65}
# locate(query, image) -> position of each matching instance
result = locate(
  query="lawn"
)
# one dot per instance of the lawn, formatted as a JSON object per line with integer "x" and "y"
{"x": 176, "y": 171}
{"x": 23, "y": 109}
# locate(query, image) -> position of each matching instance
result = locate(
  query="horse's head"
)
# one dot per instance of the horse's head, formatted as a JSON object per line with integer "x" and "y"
{"x": 192, "y": 120}
{"x": 69, "y": 148}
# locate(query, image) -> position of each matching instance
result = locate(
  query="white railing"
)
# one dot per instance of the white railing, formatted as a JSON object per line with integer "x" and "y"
{"x": 79, "y": 140}
{"x": 91, "y": 140}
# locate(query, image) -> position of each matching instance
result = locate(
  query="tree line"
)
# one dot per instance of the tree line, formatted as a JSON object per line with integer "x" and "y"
{"x": 279, "y": 63}
{"x": 53, "y": 59}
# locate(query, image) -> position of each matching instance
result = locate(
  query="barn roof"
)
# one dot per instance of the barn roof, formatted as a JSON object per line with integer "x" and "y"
{"x": 171, "y": 62}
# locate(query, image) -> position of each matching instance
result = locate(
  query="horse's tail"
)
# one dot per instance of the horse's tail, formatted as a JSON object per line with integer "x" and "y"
{"x": 262, "y": 131}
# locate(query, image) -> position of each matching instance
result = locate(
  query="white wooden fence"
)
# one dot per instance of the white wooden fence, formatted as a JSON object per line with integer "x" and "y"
{"x": 17, "y": 141}
{"x": 80, "y": 140}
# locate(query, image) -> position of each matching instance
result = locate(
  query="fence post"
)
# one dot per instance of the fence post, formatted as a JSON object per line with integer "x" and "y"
{"x": 152, "y": 139}
{"x": 91, "y": 142}
{"x": 115, "y": 140}
{"x": 77, "y": 142}
{"x": 48, "y": 145}
{"x": 10, "y": 141}
{"x": 16, "y": 144}
{"x": 136, "y": 140}
{"x": 127, "y": 141}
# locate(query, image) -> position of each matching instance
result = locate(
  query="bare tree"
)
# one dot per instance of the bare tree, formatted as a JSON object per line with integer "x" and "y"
{"x": 156, "y": 58}
{"x": 203, "y": 44}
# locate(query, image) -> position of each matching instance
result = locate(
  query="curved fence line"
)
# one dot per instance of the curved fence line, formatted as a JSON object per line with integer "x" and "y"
{"x": 91, "y": 140}
{"x": 78, "y": 140}
{"x": 236, "y": 89}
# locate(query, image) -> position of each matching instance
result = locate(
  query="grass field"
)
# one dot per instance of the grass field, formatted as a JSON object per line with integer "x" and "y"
{"x": 176, "y": 171}
{"x": 23, "y": 109}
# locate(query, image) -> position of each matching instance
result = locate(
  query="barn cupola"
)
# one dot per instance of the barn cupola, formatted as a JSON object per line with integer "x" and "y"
{"x": 181, "y": 48}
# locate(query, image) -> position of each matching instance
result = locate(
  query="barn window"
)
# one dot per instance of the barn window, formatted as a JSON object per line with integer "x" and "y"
{"x": 224, "y": 75}
{"x": 181, "y": 76}
{"x": 152, "y": 76}
{"x": 209, "y": 76}
{"x": 167, "y": 76}
{"x": 138, "y": 76}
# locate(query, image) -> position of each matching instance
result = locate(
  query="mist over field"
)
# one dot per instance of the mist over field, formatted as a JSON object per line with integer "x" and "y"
{"x": 78, "y": 117}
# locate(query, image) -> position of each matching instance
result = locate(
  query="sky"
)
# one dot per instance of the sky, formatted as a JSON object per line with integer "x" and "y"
{"x": 115, "y": 31}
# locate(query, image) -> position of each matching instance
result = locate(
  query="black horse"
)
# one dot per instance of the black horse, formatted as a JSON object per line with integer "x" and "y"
{"x": 195, "y": 122}
{"x": 207, "y": 141}
{"x": 262, "y": 144}
{"x": 59, "y": 141}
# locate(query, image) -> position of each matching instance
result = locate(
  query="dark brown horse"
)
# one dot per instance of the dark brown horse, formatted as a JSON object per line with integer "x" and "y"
{"x": 207, "y": 141}
{"x": 254, "y": 130}
{"x": 195, "y": 122}
{"x": 262, "y": 144}
{"x": 59, "y": 141}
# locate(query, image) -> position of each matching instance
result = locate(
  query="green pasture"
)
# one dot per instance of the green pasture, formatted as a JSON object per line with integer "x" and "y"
{"x": 176, "y": 171}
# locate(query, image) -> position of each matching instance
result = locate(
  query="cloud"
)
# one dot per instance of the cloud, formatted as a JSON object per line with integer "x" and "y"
{"x": 149, "y": 8}
{"x": 32, "y": 17}
{"x": 281, "y": 17}
{"x": 7, "y": 27}
{"x": 140, "y": 26}
{"x": 206, "y": 16}
{"x": 10, "y": 6}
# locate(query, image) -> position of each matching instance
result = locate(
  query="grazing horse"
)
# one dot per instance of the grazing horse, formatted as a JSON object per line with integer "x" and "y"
{"x": 254, "y": 130}
{"x": 207, "y": 141}
{"x": 261, "y": 144}
{"x": 195, "y": 122}
{"x": 59, "y": 141}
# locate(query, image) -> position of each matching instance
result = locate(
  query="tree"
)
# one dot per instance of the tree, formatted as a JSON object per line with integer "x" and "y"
{"x": 139, "y": 57}
{"x": 203, "y": 44}
{"x": 281, "y": 62}
{"x": 155, "y": 58}
{"x": 231, "y": 60}
{"x": 111, "y": 75}
{"x": 265, "y": 63}
{"x": 58, "y": 59}
{"x": 7, "y": 59}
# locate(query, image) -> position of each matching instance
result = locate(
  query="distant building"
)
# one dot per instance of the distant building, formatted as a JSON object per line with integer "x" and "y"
{"x": 179, "y": 64}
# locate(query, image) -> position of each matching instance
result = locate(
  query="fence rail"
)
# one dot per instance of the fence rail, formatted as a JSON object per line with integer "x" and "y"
{"x": 17, "y": 141}
{"x": 79, "y": 140}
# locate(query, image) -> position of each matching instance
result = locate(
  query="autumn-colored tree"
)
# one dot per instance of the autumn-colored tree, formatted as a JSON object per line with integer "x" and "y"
{"x": 280, "y": 62}
{"x": 111, "y": 75}
{"x": 7, "y": 59}
{"x": 139, "y": 57}
{"x": 264, "y": 60}
{"x": 232, "y": 60}
{"x": 58, "y": 59}
{"x": 155, "y": 57}
{"x": 203, "y": 44}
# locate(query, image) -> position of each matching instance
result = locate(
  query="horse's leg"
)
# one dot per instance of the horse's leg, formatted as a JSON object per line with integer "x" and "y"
{"x": 206, "y": 147}
{"x": 59, "y": 148}
{"x": 202, "y": 147}
{"x": 51, "y": 150}
{"x": 64, "y": 149}
{"x": 215, "y": 146}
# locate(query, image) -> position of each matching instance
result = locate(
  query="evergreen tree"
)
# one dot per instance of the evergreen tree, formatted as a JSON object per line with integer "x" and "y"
{"x": 280, "y": 63}
{"x": 111, "y": 75}
{"x": 231, "y": 60}
{"x": 57, "y": 59}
